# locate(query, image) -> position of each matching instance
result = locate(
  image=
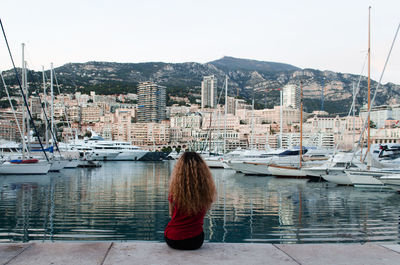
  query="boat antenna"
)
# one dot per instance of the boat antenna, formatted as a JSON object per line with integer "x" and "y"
{"x": 22, "y": 91}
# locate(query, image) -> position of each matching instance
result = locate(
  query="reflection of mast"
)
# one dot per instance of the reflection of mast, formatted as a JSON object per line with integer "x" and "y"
{"x": 224, "y": 224}
{"x": 300, "y": 216}
{"x": 251, "y": 215}
{"x": 51, "y": 210}
{"x": 25, "y": 213}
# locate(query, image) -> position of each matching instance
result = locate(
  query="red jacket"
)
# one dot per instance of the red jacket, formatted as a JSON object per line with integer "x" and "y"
{"x": 183, "y": 226}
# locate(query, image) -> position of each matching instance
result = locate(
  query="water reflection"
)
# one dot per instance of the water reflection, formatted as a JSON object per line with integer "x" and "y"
{"x": 128, "y": 201}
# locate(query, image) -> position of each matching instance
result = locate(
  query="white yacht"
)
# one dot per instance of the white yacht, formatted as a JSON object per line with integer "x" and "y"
{"x": 333, "y": 170}
{"x": 249, "y": 161}
{"x": 289, "y": 165}
{"x": 367, "y": 178}
{"x": 275, "y": 162}
{"x": 385, "y": 160}
{"x": 98, "y": 149}
{"x": 213, "y": 161}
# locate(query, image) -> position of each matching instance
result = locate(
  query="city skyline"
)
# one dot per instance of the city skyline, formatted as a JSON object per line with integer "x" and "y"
{"x": 307, "y": 34}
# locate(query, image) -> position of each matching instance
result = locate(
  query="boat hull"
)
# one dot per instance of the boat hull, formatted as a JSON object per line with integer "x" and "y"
{"x": 391, "y": 181}
{"x": 129, "y": 155}
{"x": 73, "y": 163}
{"x": 366, "y": 179}
{"x": 282, "y": 171}
{"x": 101, "y": 156}
{"x": 57, "y": 165}
{"x": 213, "y": 161}
{"x": 242, "y": 167}
{"x": 39, "y": 168}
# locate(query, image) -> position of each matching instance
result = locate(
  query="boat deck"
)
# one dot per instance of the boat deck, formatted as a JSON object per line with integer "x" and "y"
{"x": 137, "y": 252}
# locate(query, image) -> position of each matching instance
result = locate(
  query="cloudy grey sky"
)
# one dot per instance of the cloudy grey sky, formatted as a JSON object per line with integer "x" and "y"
{"x": 325, "y": 35}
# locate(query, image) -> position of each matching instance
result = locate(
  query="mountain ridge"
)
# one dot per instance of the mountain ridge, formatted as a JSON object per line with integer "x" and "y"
{"x": 247, "y": 79}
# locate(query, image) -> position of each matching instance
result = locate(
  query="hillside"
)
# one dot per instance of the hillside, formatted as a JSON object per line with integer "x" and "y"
{"x": 247, "y": 78}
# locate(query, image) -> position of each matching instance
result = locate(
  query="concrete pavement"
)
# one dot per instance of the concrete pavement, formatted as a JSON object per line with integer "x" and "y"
{"x": 136, "y": 252}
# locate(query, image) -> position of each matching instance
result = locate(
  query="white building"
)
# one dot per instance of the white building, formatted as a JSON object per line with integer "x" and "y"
{"x": 380, "y": 114}
{"x": 321, "y": 140}
{"x": 291, "y": 96}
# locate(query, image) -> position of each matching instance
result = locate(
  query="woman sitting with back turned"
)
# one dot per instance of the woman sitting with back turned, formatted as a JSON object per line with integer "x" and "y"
{"x": 191, "y": 192}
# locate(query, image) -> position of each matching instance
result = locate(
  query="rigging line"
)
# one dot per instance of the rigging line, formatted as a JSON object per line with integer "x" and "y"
{"x": 354, "y": 102}
{"x": 65, "y": 108}
{"x": 377, "y": 86}
{"x": 44, "y": 111}
{"x": 48, "y": 121}
{"x": 219, "y": 97}
{"x": 22, "y": 91}
{"x": 357, "y": 91}
{"x": 11, "y": 104}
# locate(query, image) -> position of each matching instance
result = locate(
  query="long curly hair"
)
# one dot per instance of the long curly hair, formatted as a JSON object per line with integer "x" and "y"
{"x": 192, "y": 186}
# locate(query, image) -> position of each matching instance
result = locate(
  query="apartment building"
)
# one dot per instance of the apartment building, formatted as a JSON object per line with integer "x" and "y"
{"x": 151, "y": 102}
{"x": 291, "y": 96}
{"x": 91, "y": 113}
{"x": 150, "y": 134}
{"x": 209, "y": 92}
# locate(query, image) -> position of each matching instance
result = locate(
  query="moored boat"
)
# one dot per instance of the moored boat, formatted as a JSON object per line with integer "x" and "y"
{"x": 31, "y": 168}
{"x": 392, "y": 181}
{"x": 366, "y": 178}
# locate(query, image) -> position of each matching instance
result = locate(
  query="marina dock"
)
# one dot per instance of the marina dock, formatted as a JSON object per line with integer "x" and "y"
{"x": 139, "y": 252}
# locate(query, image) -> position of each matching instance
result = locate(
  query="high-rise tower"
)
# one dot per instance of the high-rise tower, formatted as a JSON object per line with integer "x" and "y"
{"x": 209, "y": 92}
{"x": 291, "y": 96}
{"x": 151, "y": 102}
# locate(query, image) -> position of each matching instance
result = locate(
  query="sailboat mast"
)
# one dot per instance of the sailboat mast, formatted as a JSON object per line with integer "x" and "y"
{"x": 354, "y": 116}
{"x": 45, "y": 108}
{"x": 301, "y": 121}
{"x": 23, "y": 109}
{"x": 281, "y": 119}
{"x": 28, "y": 125}
{"x": 52, "y": 100}
{"x": 252, "y": 125}
{"x": 226, "y": 110}
{"x": 209, "y": 148}
{"x": 369, "y": 80}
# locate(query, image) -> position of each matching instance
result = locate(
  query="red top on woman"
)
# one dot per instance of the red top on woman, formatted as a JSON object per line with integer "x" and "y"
{"x": 183, "y": 226}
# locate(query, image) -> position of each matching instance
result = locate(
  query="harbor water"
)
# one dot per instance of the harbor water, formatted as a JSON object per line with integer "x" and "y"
{"x": 123, "y": 201}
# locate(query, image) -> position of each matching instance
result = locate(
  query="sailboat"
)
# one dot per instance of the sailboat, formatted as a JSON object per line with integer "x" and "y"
{"x": 290, "y": 171}
{"x": 370, "y": 178}
{"x": 58, "y": 162}
{"x": 23, "y": 165}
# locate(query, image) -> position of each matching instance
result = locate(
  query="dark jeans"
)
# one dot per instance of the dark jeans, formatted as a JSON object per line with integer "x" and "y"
{"x": 186, "y": 244}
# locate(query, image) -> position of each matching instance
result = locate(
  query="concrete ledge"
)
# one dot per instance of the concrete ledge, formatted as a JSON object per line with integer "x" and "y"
{"x": 332, "y": 254}
{"x": 211, "y": 253}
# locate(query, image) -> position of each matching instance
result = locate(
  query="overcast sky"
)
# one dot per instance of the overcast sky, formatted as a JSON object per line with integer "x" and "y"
{"x": 324, "y": 35}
